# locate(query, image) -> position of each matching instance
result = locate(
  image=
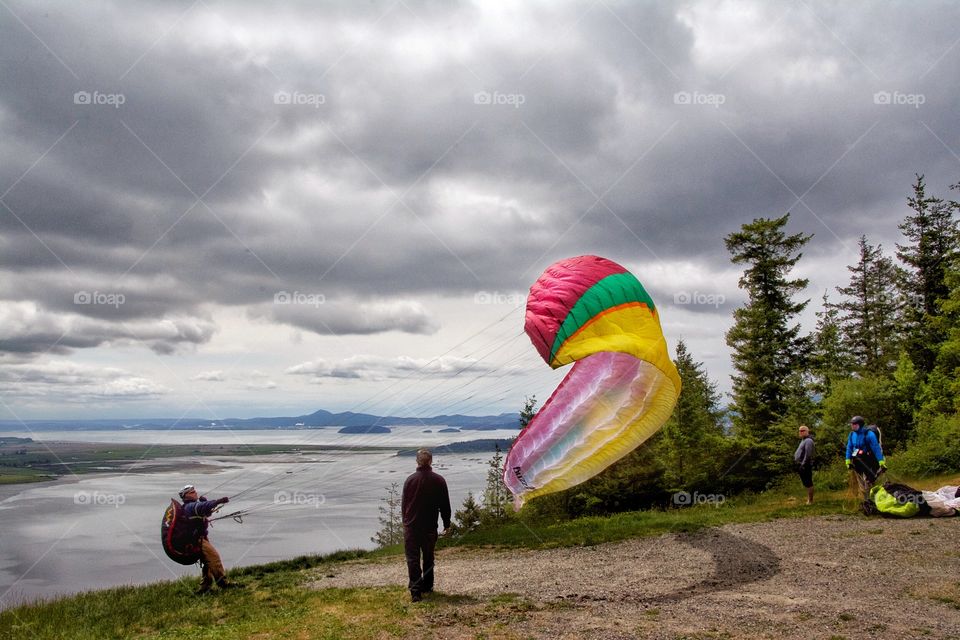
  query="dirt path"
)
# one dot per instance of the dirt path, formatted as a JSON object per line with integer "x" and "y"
{"x": 826, "y": 577}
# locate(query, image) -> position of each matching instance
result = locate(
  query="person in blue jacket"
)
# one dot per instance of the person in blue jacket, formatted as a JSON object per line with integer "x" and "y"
{"x": 864, "y": 455}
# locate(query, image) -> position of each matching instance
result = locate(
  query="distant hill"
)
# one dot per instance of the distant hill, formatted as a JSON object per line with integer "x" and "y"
{"x": 316, "y": 419}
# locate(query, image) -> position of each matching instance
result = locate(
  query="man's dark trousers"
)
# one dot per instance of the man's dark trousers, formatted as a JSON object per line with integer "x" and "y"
{"x": 417, "y": 543}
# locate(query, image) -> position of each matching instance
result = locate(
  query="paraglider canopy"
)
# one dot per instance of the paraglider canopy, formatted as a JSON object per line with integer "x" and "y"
{"x": 592, "y": 312}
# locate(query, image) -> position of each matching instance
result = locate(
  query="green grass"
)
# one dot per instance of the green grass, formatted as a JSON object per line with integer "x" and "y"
{"x": 273, "y": 603}
{"x": 16, "y": 475}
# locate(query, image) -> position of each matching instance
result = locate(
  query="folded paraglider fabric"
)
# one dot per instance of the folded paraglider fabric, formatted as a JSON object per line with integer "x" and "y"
{"x": 943, "y": 502}
{"x": 893, "y": 503}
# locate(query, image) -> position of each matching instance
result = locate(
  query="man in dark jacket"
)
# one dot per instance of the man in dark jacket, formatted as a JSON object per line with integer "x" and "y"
{"x": 425, "y": 497}
{"x": 198, "y": 509}
{"x": 803, "y": 457}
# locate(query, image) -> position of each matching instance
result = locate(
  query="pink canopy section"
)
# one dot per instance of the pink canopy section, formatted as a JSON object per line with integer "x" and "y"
{"x": 556, "y": 291}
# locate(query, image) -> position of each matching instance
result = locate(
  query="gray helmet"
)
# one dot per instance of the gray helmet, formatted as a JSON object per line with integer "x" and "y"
{"x": 858, "y": 420}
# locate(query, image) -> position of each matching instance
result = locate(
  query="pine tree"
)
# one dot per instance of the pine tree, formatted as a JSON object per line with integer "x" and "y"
{"x": 529, "y": 410}
{"x": 496, "y": 495}
{"x": 870, "y": 309}
{"x": 692, "y": 437}
{"x": 767, "y": 346}
{"x": 391, "y": 519}
{"x": 940, "y": 394}
{"x": 468, "y": 517}
{"x": 830, "y": 358}
{"x": 933, "y": 237}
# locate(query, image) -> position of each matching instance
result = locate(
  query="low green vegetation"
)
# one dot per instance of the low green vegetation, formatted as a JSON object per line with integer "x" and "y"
{"x": 15, "y": 475}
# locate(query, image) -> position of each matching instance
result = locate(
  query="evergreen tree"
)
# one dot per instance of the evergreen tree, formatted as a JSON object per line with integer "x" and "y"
{"x": 496, "y": 495}
{"x": 391, "y": 518}
{"x": 940, "y": 393}
{"x": 933, "y": 237}
{"x": 692, "y": 439}
{"x": 468, "y": 517}
{"x": 767, "y": 346}
{"x": 529, "y": 410}
{"x": 830, "y": 358}
{"x": 870, "y": 311}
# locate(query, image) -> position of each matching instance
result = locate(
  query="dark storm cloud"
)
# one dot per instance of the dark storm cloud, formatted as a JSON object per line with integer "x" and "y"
{"x": 376, "y": 152}
{"x": 28, "y": 330}
{"x": 314, "y": 313}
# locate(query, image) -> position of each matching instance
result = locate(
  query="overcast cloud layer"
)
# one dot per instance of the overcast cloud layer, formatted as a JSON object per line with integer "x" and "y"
{"x": 232, "y": 209}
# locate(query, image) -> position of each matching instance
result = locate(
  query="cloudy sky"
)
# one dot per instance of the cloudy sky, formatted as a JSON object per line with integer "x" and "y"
{"x": 224, "y": 209}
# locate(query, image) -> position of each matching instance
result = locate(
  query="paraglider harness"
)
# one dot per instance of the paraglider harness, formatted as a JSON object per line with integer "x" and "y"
{"x": 863, "y": 459}
{"x": 181, "y": 541}
{"x": 180, "y": 537}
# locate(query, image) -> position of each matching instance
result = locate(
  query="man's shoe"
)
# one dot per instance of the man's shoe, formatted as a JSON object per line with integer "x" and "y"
{"x": 202, "y": 590}
{"x": 415, "y": 597}
{"x": 223, "y": 584}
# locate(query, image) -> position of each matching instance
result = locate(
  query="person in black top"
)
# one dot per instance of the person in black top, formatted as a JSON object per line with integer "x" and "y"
{"x": 424, "y": 498}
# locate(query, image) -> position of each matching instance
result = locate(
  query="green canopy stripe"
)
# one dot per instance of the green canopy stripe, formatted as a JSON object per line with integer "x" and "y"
{"x": 612, "y": 291}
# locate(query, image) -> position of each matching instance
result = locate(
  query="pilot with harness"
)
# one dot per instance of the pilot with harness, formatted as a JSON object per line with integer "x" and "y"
{"x": 864, "y": 455}
{"x": 197, "y": 510}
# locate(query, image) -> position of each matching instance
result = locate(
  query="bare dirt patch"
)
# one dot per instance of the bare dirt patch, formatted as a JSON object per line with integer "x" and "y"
{"x": 824, "y": 577}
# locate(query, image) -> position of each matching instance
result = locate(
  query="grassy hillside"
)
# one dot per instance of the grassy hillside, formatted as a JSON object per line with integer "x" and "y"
{"x": 275, "y": 600}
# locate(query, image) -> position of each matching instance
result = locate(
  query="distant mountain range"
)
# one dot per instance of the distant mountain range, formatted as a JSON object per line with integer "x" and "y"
{"x": 317, "y": 419}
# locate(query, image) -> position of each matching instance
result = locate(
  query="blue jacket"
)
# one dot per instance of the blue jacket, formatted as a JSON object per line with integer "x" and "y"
{"x": 863, "y": 438}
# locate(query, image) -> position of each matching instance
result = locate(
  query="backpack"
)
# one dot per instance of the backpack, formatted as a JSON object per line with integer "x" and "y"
{"x": 863, "y": 460}
{"x": 179, "y": 536}
{"x": 876, "y": 431}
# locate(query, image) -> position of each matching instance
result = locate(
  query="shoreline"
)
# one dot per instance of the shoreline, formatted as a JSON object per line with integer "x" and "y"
{"x": 44, "y": 461}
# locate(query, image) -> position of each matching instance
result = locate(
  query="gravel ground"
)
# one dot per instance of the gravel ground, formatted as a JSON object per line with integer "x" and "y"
{"x": 824, "y": 577}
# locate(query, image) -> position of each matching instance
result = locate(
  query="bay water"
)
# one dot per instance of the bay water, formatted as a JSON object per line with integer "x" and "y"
{"x": 100, "y": 530}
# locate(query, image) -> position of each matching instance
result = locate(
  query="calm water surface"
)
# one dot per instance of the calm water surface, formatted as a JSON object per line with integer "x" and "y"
{"x": 101, "y": 530}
